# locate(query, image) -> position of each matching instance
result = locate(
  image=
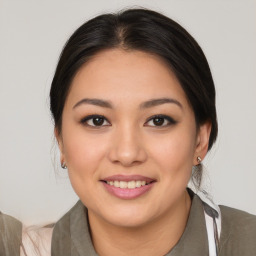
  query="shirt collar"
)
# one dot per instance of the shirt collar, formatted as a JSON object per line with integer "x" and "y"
{"x": 194, "y": 241}
{"x": 80, "y": 231}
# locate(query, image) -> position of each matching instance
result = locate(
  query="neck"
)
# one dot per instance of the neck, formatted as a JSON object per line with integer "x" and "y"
{"x": 155, "y": 238}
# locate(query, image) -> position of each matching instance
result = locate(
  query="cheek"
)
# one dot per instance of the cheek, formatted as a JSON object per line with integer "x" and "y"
{"x": 83, "y": 152}
{"x": 84, "y": 156}
{"x": 174, "y": 153}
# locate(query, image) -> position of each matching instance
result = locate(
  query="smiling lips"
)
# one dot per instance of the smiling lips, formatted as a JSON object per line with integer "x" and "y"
{"x": 130, "y": 184}
{"x": 128, "y": 187}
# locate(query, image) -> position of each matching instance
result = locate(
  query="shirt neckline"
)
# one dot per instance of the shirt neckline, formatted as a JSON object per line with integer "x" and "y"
{"x": 193, "y": 241}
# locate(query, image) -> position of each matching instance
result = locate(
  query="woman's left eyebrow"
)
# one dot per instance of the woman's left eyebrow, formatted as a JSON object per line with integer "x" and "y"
{"x": 156, "y": 102}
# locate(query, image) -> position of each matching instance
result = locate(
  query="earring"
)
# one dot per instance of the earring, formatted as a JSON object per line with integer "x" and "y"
{"x": 199, "y": 159}
{"x": 63, "y": 166}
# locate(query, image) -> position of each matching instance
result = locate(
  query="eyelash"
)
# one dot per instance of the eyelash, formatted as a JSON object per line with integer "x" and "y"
{"x": 91, "y": 117}
{"x": 168, "y": 119}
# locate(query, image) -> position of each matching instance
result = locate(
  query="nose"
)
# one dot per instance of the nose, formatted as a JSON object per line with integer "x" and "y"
{"x": 127, "y": 148}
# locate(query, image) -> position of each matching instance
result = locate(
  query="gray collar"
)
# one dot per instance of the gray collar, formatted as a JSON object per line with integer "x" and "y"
{"x": 80, "y": 231}
{"x": 194, "y": 241}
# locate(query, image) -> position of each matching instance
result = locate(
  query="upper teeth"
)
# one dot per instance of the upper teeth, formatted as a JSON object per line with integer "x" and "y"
{"x": 129, "y": 184}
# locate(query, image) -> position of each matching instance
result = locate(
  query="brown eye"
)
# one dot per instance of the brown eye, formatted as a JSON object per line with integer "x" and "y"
{"x": 158, "y": 121}
{"x": 95, "y": 121}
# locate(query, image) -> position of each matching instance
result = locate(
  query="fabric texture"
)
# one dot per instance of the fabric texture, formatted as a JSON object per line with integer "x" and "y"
{"x": 10, "y": 235}
{"x": 238, "y": 235}
{"x": 71, "y": 235}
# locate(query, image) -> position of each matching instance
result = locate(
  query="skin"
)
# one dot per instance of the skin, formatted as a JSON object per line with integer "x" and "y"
{"x": 128, "y": 142}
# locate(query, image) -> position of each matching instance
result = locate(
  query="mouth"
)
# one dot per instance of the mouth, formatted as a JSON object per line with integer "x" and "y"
{"x": 128, "y": 186}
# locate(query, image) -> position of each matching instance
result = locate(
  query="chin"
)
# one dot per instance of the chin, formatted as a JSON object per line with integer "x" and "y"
{"x": 128, "y": 222}
{"x": 129, "y": 217}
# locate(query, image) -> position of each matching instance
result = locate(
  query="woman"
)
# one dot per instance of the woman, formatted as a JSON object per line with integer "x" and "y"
{"x": 133, "y": 103}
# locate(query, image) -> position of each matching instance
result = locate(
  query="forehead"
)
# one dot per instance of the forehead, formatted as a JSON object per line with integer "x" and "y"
{"x": 133, "y": 75}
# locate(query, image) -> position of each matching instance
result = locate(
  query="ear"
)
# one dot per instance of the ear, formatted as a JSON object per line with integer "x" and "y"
{"x": 202, "y": 142}
{"x": 60, "y": 144}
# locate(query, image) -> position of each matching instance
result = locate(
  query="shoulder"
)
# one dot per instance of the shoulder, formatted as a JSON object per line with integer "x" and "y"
{"x": 234, "y": 219}
{"x": 10, "y": 235}
{"x": 238, "y": 234}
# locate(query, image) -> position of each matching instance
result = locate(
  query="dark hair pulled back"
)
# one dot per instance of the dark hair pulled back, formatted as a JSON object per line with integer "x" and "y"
{"x": 147, "y": 31}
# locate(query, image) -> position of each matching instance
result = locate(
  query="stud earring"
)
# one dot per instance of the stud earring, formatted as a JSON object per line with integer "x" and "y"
{"x": 63, "y": 166}
{"x": 199, "y": 159}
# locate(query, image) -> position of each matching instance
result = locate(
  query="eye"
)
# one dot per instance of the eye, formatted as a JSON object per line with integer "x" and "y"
{"x": 160, "y": 120}
{"x": 95, "y": 121}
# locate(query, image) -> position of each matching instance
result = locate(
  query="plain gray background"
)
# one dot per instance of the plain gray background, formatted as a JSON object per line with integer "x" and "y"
{"x": 32, "y": 35}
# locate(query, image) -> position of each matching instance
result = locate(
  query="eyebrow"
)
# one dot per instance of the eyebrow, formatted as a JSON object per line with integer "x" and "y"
{"x": 156, "y": 102}
{"x": 146, "y": 104}
{"x": 96, "y": 102}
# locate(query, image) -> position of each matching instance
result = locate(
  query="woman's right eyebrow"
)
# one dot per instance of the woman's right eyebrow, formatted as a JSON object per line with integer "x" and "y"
{"x": 96, "y": 102}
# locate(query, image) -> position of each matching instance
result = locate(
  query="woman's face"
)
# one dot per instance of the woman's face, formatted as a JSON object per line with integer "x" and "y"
{"x": 129, "y": 137}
